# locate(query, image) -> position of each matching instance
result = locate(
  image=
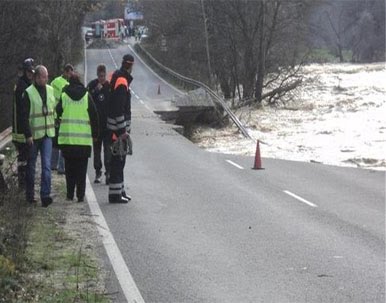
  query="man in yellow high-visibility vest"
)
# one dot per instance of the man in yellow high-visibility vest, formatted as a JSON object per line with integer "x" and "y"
{"x": 78, "y": 127}
{"x": 39, "y": 129}
{"x": 57, "y": 160}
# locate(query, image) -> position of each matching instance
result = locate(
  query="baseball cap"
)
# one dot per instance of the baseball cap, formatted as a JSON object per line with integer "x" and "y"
{"x": 28, "y": 65}
{"x": 128, "y": 59}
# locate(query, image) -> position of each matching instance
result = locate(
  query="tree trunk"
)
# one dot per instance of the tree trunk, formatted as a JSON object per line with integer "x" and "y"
{"x": 261, "y": 58}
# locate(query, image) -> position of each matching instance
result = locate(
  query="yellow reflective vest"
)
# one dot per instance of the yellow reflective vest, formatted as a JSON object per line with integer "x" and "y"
{"x": 58, "y": 84}
{"x": 75, "y": 128}
{"x": 41, "y": 119}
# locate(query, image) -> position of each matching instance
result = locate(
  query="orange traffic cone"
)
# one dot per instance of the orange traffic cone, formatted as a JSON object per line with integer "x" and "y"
{"x": 257, "y": 157}
{"x": 159, "y": 90}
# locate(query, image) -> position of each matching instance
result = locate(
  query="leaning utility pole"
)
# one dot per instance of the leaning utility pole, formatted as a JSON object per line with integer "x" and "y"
{"x": 207, "y": 42}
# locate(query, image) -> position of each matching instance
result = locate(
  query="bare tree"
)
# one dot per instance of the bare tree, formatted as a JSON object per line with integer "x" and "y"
{"x": 244, "y": 41}
{"x": 356, "y": 26}
{"x": 48, "y": 31}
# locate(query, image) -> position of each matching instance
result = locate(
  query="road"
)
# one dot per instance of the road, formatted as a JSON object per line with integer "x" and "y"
{"x": 205, "y": 227}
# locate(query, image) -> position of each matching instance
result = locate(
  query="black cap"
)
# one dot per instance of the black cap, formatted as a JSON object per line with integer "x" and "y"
{"x": 68, "y": 67}
{"x": 28, "y": 65}
{"x": 128, "y": 59}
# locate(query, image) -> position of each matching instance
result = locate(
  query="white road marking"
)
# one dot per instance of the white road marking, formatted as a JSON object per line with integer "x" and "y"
{"x": 300, "y": 198}
{"x": 112, "y": 58}
{"x": 134, "y": 93}
{"x": 234, "y": 164}
{"x": 148, "y": 107}
{"x": 121, "y": 270}
{"x": 149, "y": 68}
{"x": 85, "y": 64}
{"x": 140, "y": 100}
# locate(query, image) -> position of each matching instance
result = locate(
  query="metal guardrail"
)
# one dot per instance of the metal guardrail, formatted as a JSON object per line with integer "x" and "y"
{"x": 5, "y": 137}
{"x": 196, "y": 83}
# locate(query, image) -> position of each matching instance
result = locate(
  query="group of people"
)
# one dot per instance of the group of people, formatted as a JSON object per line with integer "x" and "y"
{"x": 64, "y": 121}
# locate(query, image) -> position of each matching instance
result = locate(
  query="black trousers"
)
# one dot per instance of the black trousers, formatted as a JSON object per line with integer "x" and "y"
{"x": 76, "y": 170}
{"x": 116, "y": 186}
{"x": 22, "y": 157}
{"x": 97, "y": 148}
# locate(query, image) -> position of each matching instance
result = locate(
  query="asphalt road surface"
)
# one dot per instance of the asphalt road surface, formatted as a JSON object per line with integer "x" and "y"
{"x": 205, "y": 227}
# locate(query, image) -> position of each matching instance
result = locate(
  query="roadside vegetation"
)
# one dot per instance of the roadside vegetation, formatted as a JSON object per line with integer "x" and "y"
{"x": 48, "y": 31}
{"x": 43, "y": 255}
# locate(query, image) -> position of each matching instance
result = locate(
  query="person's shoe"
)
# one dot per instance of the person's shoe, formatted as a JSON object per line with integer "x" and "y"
{"x": 61, "y": 172}
{"x": 98, "y": 177}
{"x": 107, "y": 179}
{"x": 32, "y": 201}
{"x": 124, "y": 195}
{"x": 46, "y": 201}
{"x": 120, "y": 200}
{"x": 81, "y": 199}
{"x": 68, "y": 198}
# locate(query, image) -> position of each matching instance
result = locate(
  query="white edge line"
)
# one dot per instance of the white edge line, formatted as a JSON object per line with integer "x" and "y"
{"x": 121, "y": 270}
{"x": 163, "y": 80}
{"x": 234, "y": 164}
{"x": 300, "y": 198}
{"x": 85, "y": 64}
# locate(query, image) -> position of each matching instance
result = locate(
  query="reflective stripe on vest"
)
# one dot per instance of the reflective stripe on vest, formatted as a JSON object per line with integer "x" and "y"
{"x": 41, "y": 125}
{"x": 121, "y": 81}
{"x": 16, "y": 136}
{"x": 75, "y": 126}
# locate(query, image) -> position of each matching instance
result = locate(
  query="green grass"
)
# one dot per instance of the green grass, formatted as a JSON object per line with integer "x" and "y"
{"x": 64, "y": 272}
{"x": 44, "y": 263}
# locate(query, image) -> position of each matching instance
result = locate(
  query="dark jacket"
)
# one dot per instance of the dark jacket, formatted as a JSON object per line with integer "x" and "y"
{"x": 76, "y": 90}
{"x": 26, "y": 109}
{"x": 101, "y": 100}
{"x": 17, "y": 114}
{"x": 119, "y": 115}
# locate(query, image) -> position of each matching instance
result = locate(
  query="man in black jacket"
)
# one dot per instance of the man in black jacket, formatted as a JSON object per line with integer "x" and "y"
{"x": 119, "y": 122}
{"x": 18, "y": 138}
{"x": 99, "y": 89}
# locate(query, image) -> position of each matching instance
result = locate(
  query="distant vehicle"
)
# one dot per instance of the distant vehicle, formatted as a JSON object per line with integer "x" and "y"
{"x": 108, "y": 28}
{"x": 89, "y": 35}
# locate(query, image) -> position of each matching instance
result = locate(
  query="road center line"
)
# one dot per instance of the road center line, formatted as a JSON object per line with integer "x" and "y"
{"x": 234, "y": 164}
{"x": 121, "y": 270}
{"x": 112, "y": 58}
{"x": 148, "y": 107}
{"x": 154, "y": 73}
{"x": 134, "y": 94}
{"x": 300, "y": 198}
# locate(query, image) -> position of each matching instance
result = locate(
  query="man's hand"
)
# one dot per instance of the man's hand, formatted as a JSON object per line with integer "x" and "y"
{"x": 128, "y": 126}
{"x": 124, "y": 136}
{"x": 30, "y": 141}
